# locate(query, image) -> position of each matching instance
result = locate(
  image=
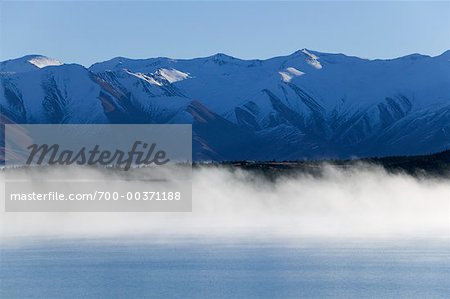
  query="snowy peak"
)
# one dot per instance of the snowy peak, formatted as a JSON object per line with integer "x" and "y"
{"x": 309, "y": 54}
{"x": 42, "y": 61}
{"x": 312, "y": 59}
{"x": 28, "y": 63}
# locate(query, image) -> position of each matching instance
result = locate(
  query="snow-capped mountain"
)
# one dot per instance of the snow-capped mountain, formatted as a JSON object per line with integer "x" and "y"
{"x": 304, "y": 105}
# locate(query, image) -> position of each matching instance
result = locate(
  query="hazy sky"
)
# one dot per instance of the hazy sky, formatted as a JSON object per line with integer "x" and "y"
{"x": 86, "y": 32}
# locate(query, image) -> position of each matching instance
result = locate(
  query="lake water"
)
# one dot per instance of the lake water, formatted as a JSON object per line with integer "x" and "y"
{"x": 50, "y": 268}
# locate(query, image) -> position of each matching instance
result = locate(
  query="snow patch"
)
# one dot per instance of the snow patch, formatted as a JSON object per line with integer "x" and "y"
{"x": 42, "y": 61}
{"x": 161, "y": 76}
{"x": 290, "y": 73}
{"x": 312, "y": 59}
{"x": 144, "y": 77}
{"x": 309, "y": 54}
{"x": 172, "y": 75}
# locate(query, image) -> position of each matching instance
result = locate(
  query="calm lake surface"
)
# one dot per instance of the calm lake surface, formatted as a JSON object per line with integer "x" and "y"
{"x": 49, "y": 268}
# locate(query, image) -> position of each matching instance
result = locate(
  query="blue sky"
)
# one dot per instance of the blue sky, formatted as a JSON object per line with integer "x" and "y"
{"x": 86, "y": 32}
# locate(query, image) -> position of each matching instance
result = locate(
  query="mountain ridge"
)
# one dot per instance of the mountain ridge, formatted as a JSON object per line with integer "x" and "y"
{"x": 323, "y": 54}
{"x": 305, "y": 105}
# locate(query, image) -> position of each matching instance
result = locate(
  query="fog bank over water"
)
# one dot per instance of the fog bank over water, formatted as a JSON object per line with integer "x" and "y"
{"x": 363, "y": 201}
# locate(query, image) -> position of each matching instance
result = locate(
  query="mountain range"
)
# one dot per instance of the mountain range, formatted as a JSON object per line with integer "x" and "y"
{"x": 307, "y": 105}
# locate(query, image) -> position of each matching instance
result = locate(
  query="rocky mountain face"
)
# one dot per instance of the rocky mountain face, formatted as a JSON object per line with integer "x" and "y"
{"x": 306, "y": 105}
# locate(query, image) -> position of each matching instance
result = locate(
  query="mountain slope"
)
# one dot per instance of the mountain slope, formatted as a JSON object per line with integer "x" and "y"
{"x": 304, "y": 105}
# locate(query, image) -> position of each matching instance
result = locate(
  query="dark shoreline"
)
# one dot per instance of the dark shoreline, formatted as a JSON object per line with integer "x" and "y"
{"x": 435, "y": 165}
